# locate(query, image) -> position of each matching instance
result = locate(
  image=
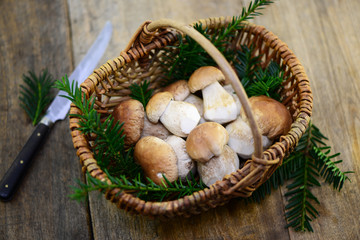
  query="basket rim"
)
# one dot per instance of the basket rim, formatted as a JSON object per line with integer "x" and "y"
{"x": 209, "y": 196}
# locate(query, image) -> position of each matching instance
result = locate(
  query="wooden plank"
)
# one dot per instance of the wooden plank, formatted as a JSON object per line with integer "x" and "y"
{"x": 323, "y": 35}
{"x": 34, "y": 36}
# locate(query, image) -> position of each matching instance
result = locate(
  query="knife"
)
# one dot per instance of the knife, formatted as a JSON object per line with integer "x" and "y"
{"x": 57, "y": 110}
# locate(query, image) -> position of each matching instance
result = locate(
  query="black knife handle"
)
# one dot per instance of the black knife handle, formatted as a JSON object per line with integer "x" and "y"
{"x": 11, "y": 180}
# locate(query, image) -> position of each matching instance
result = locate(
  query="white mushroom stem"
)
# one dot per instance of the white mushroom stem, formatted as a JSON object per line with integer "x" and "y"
{"x": 184, "y": 162}
{"x": 231, "y": 91}
{"x": 218, "y": 167}
{"x": 219, "y": 105}
{"x": 241, "y": 139}
{"x": 180, "y": 118}
{"x": 199, "y": 104}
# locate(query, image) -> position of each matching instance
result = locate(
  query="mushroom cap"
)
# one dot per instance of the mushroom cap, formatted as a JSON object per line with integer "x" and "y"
{"x": 271, "y": 116}
{"x": 157, "y": 105}
{"x": 241, "y": 139}
{"x": 184, "y": 162}
{"x": 131, "y": 113}
{"x": 179, "y": 89}
{"x": 204, "y": 76}
{"x": 206, "y": 140}
{"x": 180, "y": 118}
{"x": 157, "y": 158}
{"x": 218, "y": 167}
{"x": 154, "y": 129}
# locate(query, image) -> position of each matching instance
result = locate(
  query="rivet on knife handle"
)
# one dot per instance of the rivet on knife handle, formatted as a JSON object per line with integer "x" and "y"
{"x": 11, "y": 180}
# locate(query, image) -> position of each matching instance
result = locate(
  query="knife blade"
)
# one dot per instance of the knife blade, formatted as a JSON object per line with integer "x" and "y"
{"x": 57, "y": 110}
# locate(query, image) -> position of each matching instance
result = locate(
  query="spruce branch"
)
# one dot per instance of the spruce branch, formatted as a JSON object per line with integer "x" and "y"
{"x": 141, "y": 92}
{"x": 315, "y": 163}
{"x": 190, "y": 55}
{"x": 35, "y": 94}
{"x": 327, "y": 168}
{"x": 304, "y": 168}
{"x": 300, "y": 197}
{"x": 108, "y": 146}
{"x": 246, "y": 64}
{"x": 255, "y": 80}
{"x": 145, "y": 189}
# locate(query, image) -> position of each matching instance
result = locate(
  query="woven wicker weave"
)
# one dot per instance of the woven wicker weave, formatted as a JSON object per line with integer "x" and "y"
{"x": 141, "y": 60}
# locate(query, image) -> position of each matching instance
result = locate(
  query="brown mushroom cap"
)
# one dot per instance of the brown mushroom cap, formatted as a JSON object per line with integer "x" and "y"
{"x": 206, "y": 140}
{"x": 131, "y": 113}
{"x": 157, "y": 105}
{"x": 203, "y": 77}
{"x": 272, "y": 117}
{"x": 154, "y": 129}
{"x": 179, "y": 89}
{"x": 157, "y": 158}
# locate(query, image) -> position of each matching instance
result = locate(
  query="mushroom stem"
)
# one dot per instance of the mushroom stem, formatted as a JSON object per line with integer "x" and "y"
{"x": 219, "y": 105}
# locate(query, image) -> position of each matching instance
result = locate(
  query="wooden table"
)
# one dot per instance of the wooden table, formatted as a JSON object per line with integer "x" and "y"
{"x": 325, "y": 36}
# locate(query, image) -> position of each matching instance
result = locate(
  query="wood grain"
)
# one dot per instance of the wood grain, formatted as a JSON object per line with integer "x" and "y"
{"x": 34, "y": 36}
{"x": 324, "y": 36}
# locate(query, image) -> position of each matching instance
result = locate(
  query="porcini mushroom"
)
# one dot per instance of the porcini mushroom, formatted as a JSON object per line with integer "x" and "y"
{"x": 179, "y": 89}
{"x": 218, "y": 167}
{"x": 184, "y": 162}
{"x": 219, "y": 105}
{"x": 177, "y": 116}
{"x": 206, "y": 141}
{"x": 157, "y": 105}
{"x": 241, "y": 138}
{"x": 131, "y": 113}
{"x": 156, "y": 158}
{"x": 271, "y": 116}
{"x": 154, "y": 129}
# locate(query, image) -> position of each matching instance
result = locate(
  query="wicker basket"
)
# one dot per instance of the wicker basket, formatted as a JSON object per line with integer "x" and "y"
{"x": 141, "y": 60}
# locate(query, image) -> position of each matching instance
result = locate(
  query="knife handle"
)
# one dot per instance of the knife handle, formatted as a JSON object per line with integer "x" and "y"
{"x": 11, "y": 180}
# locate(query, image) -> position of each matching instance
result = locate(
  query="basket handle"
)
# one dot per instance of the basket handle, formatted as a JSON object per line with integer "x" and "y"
{"x": 225, "y": 68}
{"x": 227, "y": 71}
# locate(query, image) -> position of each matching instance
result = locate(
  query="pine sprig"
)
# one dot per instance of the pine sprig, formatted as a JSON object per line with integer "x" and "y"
{"x": 255, "y": 80}
{"x": 300, "y": 204}
{"x": 267, "y": 82}
{"x": 108, "y": 145}
{"x": 304, "y": 167}
{"x": 35, "y": 94}
{"x": 246, "y": 64}
{"x": 315, "y": 163}
{"x": 190, "y": 55}
{"x": 327, "y": 168}
{"x": 141, "y": 92}
{"x": 137, "y": 186}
